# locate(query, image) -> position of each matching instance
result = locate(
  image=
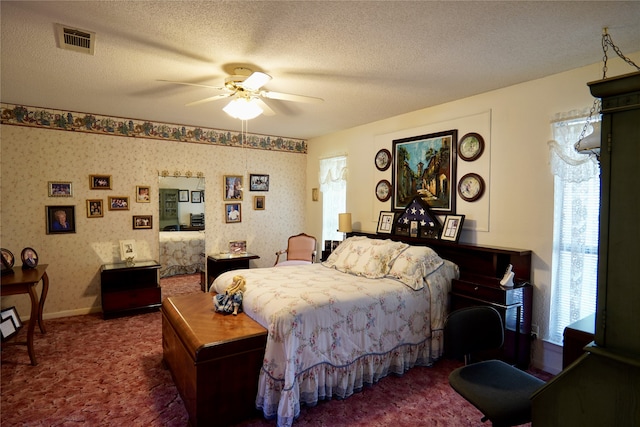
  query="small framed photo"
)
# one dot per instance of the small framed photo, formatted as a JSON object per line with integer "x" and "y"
{"x": 238, "y": 247}
{"x": 233, "y": 212}
{"x": 183, "y": 195}
{"x": 142, "y": 222}
{"x": 385, "y": 222}
{"x": 258, "y": 182}
{"x": 94, "y": 208}
{"x": 61, "y": 219}
{"x": 413, "y": 229}
{"x": 118, "y": 203}
{"x": 29, "y": 258}
{"x": 232, "y": 187}
{"x": 100, "y": 182}
{"x": 127, "y": 249}
{"x": 60, "y": 189}
{"x": 196, "y": 197}
{"x": 7, "y": 261}
{"x": 452, "y": 228}
{"x": 143, "y": 194}
{"x": 10, "y": 323}
{"x": 258, "y": 203}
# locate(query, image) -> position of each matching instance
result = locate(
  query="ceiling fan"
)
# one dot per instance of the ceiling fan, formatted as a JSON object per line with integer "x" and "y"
{"x": 245, "y": 89}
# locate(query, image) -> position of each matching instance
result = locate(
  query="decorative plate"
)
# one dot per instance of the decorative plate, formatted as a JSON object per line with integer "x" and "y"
{"x": 383, "y": 159}
{"x": 471, "y": 187}
{"x": 383, "y": 190}
{"x": 471, "y": 146}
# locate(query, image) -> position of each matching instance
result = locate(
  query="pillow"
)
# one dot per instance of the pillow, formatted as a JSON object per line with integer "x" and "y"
{"x": 413, "y": 265}
{"x": 361, "y": 256}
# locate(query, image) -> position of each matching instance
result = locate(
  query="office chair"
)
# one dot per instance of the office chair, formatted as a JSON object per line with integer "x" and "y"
{"x": 500, "y": 391}
{"x": 301, "y": 249}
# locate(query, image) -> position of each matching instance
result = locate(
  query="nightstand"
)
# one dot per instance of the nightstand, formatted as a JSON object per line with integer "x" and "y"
{"x": 513, "y": 304}
{"x": 126, "y": 289}
{"x": 221, "y": 263}
{"x": 576, "y": 336}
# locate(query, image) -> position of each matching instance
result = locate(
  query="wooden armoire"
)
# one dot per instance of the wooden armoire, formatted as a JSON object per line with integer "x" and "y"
{"x": 602, "y": 387}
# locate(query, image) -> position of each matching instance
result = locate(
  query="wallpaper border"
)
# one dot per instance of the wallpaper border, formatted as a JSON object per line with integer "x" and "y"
{"x": 21, "y": 115}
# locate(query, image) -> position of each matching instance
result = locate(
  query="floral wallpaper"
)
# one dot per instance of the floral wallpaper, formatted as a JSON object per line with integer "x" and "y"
{"x": 34, "y": 155}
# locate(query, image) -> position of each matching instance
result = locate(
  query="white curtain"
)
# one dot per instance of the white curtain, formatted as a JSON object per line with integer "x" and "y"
{"x": 576, "y": 223}
{"x": 333, "y": 185}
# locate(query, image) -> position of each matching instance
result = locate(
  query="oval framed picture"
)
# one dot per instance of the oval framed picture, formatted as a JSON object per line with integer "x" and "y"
{"x": 383, "y": 190}
{"x": 471, "y": 146}
{"x": 471, "y": 187}
{"x": 29, "y": 258}
{"x": 7, "y": 259}
{"x": 383, "y": 159}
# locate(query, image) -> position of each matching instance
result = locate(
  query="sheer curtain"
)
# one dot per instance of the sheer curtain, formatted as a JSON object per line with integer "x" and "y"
{"x": 333, "y": 184}
{"x": 575, "y": 224}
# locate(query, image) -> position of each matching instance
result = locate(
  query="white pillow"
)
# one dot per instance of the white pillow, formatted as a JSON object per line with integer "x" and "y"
{"x": 413, "y": 265}
{"x": 361, "y": 256}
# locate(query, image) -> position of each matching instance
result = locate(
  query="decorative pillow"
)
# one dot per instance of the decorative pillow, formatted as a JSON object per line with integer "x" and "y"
{"x": 365, "y": 257}
{"x": 413, "y": 265}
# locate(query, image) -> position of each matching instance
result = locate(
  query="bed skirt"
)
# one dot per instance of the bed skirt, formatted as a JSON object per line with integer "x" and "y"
{"x": 325, "y": 381}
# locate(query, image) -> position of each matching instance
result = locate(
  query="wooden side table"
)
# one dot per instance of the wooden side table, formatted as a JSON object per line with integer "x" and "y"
{"x": 24, "y": 282}
{"x": 127, "y": 289}
{"x": 221, "y": 263}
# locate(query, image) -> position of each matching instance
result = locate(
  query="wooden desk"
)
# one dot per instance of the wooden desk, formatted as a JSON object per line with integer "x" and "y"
{"x": 24, "y": 282}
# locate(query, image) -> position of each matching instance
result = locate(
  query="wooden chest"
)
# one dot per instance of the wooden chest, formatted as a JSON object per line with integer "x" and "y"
{"x": 214, "y": 359}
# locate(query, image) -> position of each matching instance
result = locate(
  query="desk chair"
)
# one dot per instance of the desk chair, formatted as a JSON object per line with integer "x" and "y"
{"x": 500, "y": 391}
{"x": 301, "y": 249}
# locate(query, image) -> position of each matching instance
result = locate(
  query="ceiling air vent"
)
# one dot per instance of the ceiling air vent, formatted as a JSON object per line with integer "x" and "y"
{"x": 75, "y": 39}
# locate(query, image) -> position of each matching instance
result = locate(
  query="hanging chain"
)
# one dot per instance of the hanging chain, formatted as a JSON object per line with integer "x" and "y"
{"x": 606, "y": 42}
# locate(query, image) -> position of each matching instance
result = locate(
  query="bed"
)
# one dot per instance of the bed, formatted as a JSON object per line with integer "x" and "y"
{"x": 181, "y": 252}
{"x": 375, "y": 307}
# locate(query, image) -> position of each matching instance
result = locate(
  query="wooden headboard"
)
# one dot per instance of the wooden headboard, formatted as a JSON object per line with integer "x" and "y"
{"x": 484, "y": 261}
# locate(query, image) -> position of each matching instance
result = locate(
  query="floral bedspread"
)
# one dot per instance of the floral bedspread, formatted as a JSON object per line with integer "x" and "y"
{"x": 181, "y": 252}
{"x": 331, "y": 333}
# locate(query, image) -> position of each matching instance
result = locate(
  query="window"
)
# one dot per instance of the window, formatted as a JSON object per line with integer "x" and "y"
{"x": 333, "y": 184}
{"x": 575, "y": 227}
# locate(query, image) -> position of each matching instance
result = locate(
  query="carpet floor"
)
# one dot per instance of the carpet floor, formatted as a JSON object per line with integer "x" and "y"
{"x": 95, "y": 372}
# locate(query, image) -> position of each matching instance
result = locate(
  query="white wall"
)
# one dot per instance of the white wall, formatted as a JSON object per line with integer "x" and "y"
{"x": 518, "y": 207}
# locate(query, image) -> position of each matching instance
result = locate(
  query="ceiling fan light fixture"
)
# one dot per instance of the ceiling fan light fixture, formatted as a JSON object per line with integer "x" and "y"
{"x": 243, "y": 109}
{"x": 256, "y": 80}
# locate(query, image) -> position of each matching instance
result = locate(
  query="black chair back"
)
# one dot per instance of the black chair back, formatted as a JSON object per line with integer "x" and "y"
{"x": 473, "y": 329}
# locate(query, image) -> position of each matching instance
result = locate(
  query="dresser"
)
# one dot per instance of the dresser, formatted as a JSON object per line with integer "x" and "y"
{"x": 127, "y": 289}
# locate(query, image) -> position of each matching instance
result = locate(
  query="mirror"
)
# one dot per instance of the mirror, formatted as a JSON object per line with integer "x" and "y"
{"x": 181, "y": 203}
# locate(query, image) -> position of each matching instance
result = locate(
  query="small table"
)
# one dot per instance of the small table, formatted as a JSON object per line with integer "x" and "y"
{"x": 221, "y": 263}
{"x": 129, "y": 288}
{"x": 24, "y": 282}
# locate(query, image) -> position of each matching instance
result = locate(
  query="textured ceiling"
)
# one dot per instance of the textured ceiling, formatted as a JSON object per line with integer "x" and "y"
{"x": 367, "y": 60}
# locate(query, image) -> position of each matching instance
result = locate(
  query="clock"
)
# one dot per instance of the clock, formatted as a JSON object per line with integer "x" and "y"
{"x": 383, "y": 190}
{"x": 471, "y": 147}
{"x": 471, "y": 187}
{"x": 383, "y": 159}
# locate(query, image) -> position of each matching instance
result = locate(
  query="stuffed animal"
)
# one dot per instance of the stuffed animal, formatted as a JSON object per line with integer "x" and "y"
{"x": 231, "y": 300}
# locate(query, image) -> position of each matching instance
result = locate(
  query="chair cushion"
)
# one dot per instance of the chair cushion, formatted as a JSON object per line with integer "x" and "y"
{"x": 499, "y": 390}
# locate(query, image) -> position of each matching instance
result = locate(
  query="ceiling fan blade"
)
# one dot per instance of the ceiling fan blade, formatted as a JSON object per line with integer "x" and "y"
{"x": 256, "y": 80}
{"x": 266, "y": 110}
{"x": 193, "y": 84}
{"x": 211, "y": 98}
{"x": 290, "y": 97}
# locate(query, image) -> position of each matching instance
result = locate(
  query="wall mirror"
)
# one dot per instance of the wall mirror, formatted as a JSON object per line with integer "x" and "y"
{"x": 182, "y": 201}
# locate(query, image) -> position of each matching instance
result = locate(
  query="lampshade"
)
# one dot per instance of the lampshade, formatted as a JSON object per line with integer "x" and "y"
{"x": 344, "y": 223}
{"x": 243, "y": 109}
{"x": 590, "y": 142}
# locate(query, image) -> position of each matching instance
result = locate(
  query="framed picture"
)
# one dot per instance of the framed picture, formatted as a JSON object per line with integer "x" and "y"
{"x": 94, "y": 208}
{"x": 60, "y": 189}
{"x": 385, "y": 222}
{"x": 10, "y": 323}
{"x": 258, "y": 182}
{"x": 183, "y": 195}
{"x": 425, "y": 166}
{"x": 238, "y": 247}
{"x": 127, "y": 249}
{"x": 143, "y": 194}
{"x": 232, "y": 187}
{"x": 8, "y": 260}
{"x": 142, "y": 222}
{"x": 118, "y": 203}
{"x": 29, "y": 258}
{"x": 61, "y": 219}
{"x": 452, "y": 228}
{"x": 232, "y": 212}
{"x": 258, "y": 203}
{"x": 100, "y": 182}
{"x": 196, "y": 197}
